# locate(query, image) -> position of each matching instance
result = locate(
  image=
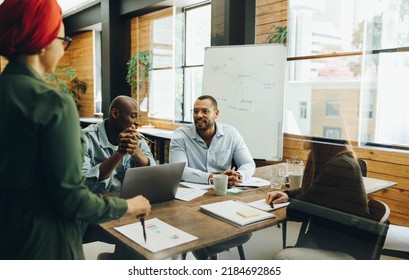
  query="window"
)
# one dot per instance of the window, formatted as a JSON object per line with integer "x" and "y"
{"x": 332, "y": 106}
{"x": 177, "y": 48}
{"x": 332, "y": 132}
{"x": 197, "y": 38}
{"x": 161, "y": 76}
{"x": 358, "y": 51}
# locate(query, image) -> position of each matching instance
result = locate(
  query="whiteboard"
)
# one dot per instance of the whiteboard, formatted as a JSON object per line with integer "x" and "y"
{"x": 248, "y": 82}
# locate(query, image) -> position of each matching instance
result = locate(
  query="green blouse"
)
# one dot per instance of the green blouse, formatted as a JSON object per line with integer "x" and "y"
{"x": 42, "y": 190}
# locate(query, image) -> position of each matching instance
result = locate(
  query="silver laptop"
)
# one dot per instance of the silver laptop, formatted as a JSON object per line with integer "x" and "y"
{"x": 157, "y": 183}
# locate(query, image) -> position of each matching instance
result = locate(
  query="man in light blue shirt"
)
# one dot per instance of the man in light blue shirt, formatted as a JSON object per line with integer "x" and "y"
{"x": 113, "y": 146}
{"x": 209, "y": 148}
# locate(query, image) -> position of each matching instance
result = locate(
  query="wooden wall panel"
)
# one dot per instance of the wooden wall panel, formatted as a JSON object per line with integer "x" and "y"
{"x": 80, "y": 56}
{"x": 269, "y": 13}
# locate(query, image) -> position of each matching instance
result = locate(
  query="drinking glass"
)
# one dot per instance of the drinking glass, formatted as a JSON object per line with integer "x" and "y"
{"x": 276, "y": 177}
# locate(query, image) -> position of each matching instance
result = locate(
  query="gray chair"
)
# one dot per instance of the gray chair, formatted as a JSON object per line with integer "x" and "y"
{"x": 362, "y": 238}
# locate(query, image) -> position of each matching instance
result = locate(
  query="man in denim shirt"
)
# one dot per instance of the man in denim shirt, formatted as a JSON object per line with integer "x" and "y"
{"x": 113, "y": 146}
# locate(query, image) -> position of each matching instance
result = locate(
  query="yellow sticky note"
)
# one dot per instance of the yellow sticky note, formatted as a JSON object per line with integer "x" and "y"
{"x": 247, "y": 213}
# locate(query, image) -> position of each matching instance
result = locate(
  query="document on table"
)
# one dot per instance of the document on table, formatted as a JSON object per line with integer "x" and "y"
{"x": 159, "y": 235}
{"x": 188, "y": 194}
{"x": 196, "y": 186}
{"x": 262, "y": 205}
{"x": 255, "y": 183}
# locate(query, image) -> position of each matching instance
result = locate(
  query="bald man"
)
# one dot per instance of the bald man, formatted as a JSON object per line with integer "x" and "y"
{"x": 113, "y": 146}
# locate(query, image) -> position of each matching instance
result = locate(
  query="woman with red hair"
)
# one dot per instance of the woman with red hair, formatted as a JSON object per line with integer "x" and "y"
{"x": 42, "y": 190}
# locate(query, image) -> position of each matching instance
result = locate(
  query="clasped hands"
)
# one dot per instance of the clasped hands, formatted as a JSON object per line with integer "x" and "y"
{"x": 128, "y": 141}
{"x": 234, "y": 176}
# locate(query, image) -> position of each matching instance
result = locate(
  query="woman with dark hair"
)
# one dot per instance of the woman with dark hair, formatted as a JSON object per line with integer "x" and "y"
{"x": 42, "y": 190}
{"x": 332, "y": 178}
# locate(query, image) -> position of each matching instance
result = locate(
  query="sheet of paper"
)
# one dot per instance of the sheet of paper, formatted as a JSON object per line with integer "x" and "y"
{"x": 159, "y": 235}
{"x": 196, "y": 186}
{"x": 187, "y": 194}
{"x": 255, "y": 182}
{"x": 262, "y": 205}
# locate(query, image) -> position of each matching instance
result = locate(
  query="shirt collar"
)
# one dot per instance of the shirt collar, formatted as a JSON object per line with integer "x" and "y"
{"x": 18, "y": 67}
{"x": 196, "y": 136}
{"x": 102, "y": 135}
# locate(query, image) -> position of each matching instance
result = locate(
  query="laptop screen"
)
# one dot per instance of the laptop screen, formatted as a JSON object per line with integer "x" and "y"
{"x": 157, "y": 183}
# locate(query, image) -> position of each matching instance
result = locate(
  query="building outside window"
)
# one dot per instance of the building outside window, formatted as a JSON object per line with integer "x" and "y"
{"x": 357, "y": 49}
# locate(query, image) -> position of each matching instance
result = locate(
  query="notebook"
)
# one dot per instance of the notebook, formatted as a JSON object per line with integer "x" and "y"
{"x": 262, "y": 205}
{"x": 157, "y": 183}
{"x": 236, "y": 212}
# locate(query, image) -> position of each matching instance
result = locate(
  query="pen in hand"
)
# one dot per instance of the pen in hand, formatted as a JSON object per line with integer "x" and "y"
{"x": 147, "y": 139}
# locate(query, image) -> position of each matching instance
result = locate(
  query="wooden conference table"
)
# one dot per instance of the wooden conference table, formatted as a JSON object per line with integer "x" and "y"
{"x": 186, "y": 216}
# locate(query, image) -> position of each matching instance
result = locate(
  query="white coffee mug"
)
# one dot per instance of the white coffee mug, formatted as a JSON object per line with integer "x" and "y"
{"x": 219, "y": 183}
{"x": 295, "y": 179}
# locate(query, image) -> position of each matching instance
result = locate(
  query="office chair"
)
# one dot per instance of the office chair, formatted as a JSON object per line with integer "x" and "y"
{"x": 364, "y": 166}
{"x": 340, "y": 235}
{"x": 364, "y": 170}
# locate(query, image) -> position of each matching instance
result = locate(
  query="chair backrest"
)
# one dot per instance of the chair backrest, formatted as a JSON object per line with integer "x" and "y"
{"x": 364, "y": 166}
{"x": 335, "y": 230}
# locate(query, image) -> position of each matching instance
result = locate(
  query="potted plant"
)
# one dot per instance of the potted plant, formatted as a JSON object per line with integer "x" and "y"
{"x": 67, "y": 81}
{"x": 279, "y": 35}
{"x": 138, "y": 70}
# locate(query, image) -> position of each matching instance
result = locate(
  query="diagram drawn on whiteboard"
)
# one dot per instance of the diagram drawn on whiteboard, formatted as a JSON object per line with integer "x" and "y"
{"x": 241, "y": 82}
{"x": 248, "y": 83}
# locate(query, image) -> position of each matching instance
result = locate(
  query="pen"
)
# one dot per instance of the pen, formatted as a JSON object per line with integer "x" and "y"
{"x": 143, "y": 227}
{"x": 272, "y": 204}
{"x": 147, "y": 139}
